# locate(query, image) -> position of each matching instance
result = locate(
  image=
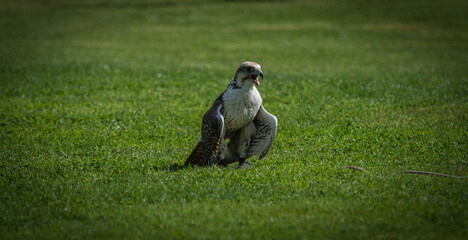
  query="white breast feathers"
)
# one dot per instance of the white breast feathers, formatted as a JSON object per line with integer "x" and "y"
{"x": 240, "y": 107}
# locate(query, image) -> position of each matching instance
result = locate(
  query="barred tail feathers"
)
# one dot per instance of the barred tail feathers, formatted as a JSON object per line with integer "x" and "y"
{"x": 196, "y": 157}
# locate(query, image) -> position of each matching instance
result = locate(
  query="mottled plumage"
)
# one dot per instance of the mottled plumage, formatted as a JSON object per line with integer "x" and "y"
{"x": 236, "y": 115}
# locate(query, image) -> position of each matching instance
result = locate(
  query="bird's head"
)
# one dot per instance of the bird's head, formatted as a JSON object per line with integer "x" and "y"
{"x": 248, "y": 73}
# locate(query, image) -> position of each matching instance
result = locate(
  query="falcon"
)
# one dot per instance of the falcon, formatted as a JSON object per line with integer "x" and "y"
{"x": 236, "y": 126}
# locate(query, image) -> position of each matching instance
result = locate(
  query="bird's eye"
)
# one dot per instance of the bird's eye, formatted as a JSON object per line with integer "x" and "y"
{"x": 249, "y": 69}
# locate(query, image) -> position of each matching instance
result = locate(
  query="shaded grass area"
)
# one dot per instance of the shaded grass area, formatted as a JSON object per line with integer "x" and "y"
{"x": 102, "y": 102}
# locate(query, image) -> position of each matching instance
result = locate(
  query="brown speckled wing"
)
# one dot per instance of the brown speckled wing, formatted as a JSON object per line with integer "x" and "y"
{"x": 212, "y": 130}
{"x": 207, "y": 148}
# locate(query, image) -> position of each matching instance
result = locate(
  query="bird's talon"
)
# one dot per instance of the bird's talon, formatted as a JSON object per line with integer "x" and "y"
{"x": 243, "y": 165}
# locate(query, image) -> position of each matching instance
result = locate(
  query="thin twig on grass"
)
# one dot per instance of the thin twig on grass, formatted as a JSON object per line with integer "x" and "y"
{"x": 412, "y": 172}
{"x": 431, "y": 173}
{"x": 356, "y": 168}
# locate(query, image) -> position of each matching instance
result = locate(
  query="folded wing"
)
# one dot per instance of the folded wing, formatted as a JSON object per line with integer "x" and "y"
{"x": 206, "y": 150}
{"x": 266, "y": 125}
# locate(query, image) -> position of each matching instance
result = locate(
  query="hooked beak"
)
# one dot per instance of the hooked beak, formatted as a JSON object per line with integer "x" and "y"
{"x": 260, "y": 73}
{"x": 255, "y": 76}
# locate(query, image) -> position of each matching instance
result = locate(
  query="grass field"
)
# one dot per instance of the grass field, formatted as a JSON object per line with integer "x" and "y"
{"x": 101, "y": 103}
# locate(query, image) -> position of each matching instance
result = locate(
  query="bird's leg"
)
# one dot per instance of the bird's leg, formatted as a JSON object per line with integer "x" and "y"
{"x": 245, "y": 137}
{"x": 242, "y": 161}
{"x": 242, "y": 164}
{"x": 228, "y": 152}
{"x": 228, "y": 158}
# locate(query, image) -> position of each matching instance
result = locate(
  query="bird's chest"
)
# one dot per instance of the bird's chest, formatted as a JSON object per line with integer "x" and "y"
{"x": 240, "y": 108}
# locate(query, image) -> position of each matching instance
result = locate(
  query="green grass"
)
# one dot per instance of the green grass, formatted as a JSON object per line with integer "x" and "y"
{"x": 100, "y": 102}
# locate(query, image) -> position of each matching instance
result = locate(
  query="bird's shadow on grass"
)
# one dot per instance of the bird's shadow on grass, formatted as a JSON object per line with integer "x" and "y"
{"x": 172, "y": 168}
{"x": 176, "y": 167}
